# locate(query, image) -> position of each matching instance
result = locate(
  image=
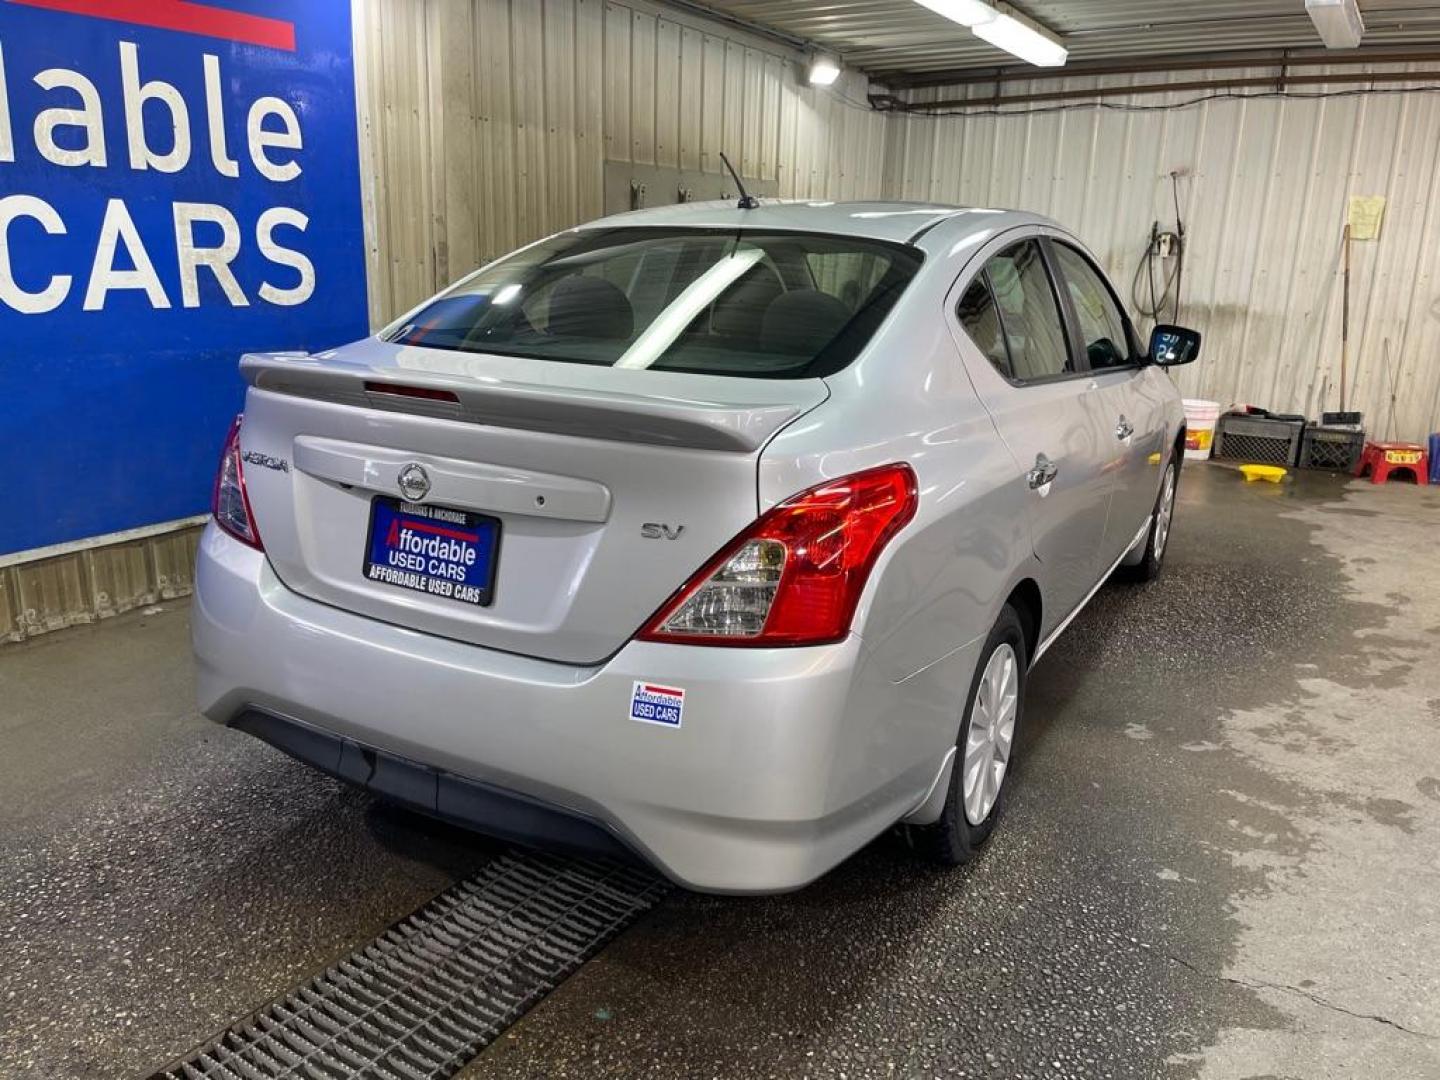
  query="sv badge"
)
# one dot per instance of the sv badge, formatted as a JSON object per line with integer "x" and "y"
{"x": 658, "y": 530}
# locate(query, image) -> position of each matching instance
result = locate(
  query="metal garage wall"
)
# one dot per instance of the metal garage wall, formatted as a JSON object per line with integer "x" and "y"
{"x": 487, "y": 123}
{"x": 44, "y": 594}
{"x": 1263, "y": 192}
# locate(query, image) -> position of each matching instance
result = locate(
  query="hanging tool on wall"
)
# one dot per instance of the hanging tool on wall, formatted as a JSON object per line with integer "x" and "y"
{"x": 1168, "y": 248}
{"x": 1345, "y": 320}
{"x": 1363, "y": 217}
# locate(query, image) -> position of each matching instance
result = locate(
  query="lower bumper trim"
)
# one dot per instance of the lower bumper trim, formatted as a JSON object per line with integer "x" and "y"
{"x": 485, "y": 808}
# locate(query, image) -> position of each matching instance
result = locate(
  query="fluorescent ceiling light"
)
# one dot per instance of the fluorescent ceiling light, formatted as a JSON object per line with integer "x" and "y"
{"x": 964, "y": 12}
{"x": 1022, "y": 37}
{"x": 1005, "y": 28}
{"x": 1338, "y": 22}
{"x": 824, "y": 69}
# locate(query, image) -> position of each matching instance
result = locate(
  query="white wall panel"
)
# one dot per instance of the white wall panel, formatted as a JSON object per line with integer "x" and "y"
{"x": 488, "y": 122}
{"x": 1263, "y": 192}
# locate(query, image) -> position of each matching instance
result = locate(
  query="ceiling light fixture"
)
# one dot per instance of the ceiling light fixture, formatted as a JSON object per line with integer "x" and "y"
{"x": 964, "y": 12}
{"x": 824, "y": 69}
{"x": 1005, "y": 28}
{"x": 1022, "y": 37}
{"x": 1338, "y": 22}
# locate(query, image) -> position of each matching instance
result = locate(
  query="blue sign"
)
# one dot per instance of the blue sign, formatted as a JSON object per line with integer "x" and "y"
{"x": 179, "y": 184}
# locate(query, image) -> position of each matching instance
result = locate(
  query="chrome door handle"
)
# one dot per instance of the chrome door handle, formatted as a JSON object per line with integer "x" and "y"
{"x": 1124, "y": 429}
{"x": 1043, "y": 472}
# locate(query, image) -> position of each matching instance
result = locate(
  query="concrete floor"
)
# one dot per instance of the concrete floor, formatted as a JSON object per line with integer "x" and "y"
{"x": 1219, "y": 860}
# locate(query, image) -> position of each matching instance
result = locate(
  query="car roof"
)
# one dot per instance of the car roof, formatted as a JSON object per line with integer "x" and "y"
{"x": 898, "y": 222}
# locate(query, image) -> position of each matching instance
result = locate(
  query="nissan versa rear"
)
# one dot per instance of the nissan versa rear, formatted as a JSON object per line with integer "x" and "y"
{"x": 718, "y": 537}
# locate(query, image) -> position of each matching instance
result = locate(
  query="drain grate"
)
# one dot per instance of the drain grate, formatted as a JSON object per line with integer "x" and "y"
{"x": 432, "y": 991}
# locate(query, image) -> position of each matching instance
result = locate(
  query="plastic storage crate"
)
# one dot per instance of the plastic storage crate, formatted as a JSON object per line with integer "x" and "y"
{"x": 1263, "y": 440}
{"x": 1335, "y": 448}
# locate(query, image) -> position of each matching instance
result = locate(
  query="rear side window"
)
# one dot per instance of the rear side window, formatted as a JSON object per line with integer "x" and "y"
{"x": 1029, "y": 313}
{"x": 1102, "y": 326}
{"x": 981, "y": 320}
{"x": 715, "y": 302}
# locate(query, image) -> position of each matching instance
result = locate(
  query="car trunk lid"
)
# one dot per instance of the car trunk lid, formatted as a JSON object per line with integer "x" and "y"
{"x": 608, "y": 487}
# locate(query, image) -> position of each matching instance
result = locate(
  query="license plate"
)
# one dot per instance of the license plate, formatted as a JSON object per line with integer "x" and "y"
{"x": 433, "y": 550}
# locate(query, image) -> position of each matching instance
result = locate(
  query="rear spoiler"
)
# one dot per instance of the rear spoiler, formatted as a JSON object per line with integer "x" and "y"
{"x": 584, "y": 413}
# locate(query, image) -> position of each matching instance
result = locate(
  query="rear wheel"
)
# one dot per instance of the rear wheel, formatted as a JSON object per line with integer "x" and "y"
{"x": 1158, "y": 539}
{"x": 983, "y": 752}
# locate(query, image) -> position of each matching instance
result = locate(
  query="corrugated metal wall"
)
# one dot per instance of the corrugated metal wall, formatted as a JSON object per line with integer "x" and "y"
{"x": 82, "y": 586}
{"x": 489, "y": 122}
{"x": 1263, "y": 192}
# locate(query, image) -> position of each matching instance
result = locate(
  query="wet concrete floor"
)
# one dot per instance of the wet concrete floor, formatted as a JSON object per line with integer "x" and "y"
{"x": 1219, "y": 857}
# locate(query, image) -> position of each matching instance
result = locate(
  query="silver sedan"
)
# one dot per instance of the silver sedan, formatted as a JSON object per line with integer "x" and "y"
{"x": 718, "y": 537}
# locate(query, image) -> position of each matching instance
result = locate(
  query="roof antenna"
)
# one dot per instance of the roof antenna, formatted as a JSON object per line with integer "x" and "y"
{"x": 747, "y": 201}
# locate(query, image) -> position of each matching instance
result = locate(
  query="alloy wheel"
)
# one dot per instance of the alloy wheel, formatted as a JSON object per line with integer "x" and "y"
{"x": 1165, "y": 512}
{"x": 990, "y": 733}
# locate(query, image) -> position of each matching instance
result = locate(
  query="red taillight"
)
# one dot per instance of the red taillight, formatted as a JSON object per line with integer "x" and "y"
{"x": 229, "y": 502}
{"x": 795, "y": 576}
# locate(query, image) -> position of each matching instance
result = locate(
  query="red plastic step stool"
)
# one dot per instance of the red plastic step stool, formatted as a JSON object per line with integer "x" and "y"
{"x": 1383, "y": 458}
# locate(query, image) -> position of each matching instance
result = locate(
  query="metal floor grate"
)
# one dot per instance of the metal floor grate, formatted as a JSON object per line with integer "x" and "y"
{"x": 432, "y": 991}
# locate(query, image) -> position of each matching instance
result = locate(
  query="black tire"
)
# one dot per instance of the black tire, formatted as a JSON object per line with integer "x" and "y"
{"x": 954, "y": 839}
{"x": 1153, "y": 561}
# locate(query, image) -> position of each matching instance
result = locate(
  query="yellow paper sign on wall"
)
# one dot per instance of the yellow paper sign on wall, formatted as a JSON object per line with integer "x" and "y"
{"x": 1366, "y": 214}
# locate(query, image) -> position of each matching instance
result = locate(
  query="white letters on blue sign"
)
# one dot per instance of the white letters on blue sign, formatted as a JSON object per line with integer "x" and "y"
{"x": 69, "y": 132}
{"x": 163, "y": 94}
{"x": 88, "y": 116}
{"x": 216, "y": 259}
{"x": 119, "y": 229}
{"x": 259, "y": 138}
{"x": 264, "y": 233}
{"x": 50, "y": 297}
{"x": 7, "y": 144}
{"x": 179, "y": 185}
{"x": 224, "y": 164}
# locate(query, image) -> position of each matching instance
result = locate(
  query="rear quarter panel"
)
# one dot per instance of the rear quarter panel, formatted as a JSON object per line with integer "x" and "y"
{"x": 938, "y": 585}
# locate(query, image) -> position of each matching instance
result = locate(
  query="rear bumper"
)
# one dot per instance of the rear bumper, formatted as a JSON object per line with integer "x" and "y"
{"x": 780, "y": 768}
{"x": 435, "y": 791}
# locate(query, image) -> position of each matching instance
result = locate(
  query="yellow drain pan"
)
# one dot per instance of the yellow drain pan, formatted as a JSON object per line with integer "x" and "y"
{"x": 1273, "y": 473}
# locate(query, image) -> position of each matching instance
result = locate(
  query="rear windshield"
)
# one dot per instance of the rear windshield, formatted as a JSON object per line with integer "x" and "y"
{"x": 754, "y": 304}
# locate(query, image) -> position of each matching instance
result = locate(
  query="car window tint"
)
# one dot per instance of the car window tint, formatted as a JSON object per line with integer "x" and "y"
{"x": 849, "y": 276}
{"x": 711, "y": 301}
{"x": 981, "y": 320}
{"x": 1102, "y": 327}
{"x": 650, "y": 286}
{"x": 1029, "y": 313}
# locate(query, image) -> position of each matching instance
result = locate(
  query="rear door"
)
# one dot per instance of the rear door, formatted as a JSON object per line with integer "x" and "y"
{"x": 1041, "y": 399}
{"x": 1129, "y": 408}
